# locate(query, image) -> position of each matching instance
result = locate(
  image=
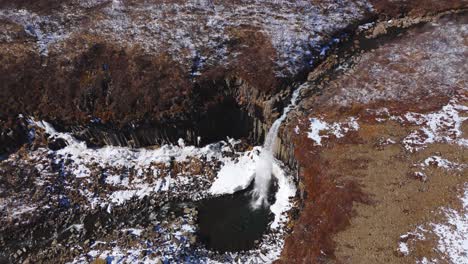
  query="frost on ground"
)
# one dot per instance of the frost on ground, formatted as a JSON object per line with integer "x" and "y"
{"x": 113, "y": 181}
{"x": 197, "y": 33}
{"x": 440, "y": 162}
{"x": 450, "y": 235}
{"x": 437, "y": 162}
{"x": 430, "y": 62}
{"x": 443, "y": 126}
{"x": 439, "y": 126}
{"x": 320, "y": 129}
{"x": 46, "y": 30}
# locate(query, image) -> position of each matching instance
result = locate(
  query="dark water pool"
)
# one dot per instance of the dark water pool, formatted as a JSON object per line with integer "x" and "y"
{"x": 229, "y": 223}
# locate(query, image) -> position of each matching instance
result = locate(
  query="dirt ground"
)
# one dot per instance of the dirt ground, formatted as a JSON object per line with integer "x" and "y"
{"x": 399, "y": 202}
{"x": 374, "y": 193}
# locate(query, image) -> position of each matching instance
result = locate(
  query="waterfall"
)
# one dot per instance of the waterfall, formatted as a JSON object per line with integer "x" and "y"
{"x": 264, "y": 166}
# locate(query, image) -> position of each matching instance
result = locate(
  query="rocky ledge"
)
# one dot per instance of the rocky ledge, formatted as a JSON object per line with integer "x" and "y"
{"x": 386, "y": 131}
{"x": 376, "y": 148}
{"x": 138, "y": 73}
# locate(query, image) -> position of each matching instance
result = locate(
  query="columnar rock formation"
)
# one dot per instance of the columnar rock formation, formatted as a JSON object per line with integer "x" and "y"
{"x": 381, "y": 120}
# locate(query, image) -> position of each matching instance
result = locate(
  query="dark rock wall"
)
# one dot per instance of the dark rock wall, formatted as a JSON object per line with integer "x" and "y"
{"x": 143, "y": 98}
{"x": 138, "y": 100}
{"x": 13, "y": 134}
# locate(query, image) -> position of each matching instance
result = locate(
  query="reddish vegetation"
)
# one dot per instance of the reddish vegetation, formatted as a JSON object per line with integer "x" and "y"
{"x": 99, "y": 58}
{"x": 327, "y": 207}
{"x": 255, "y": 63}
{"x": 358, "y": 173}
{"x": 91, "y": 76}
{"x": 418, "y": 7}
{"x": 105, "y": 81}
{"x": 125, "y": 84}
{"x": 45, "y": 6}
{"x": 116, "y": 84}
{"x": 331, "y": 188}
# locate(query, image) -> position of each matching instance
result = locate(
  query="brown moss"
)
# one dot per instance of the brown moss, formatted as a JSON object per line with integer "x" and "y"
{"x": 414, "y": 7}
{"x": 115, "y": 84}
{"x": 42, "y": 6}
{"x": 327, "y": 207}
{"x": 255, "y": 60}
{"x": 99, "y": 261}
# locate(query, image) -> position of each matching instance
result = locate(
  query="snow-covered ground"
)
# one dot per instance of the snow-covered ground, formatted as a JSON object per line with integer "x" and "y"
{"x": 111, "y": 177}
{"x": 443, "y": 126}
{"x": 451, "y": 235}
{"x": 197, "y": 33}
{"x": 320, "y": 129}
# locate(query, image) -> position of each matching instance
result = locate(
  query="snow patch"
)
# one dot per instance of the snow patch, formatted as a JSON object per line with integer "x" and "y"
{"x": 236, "y": 175}
{"x": 286, "y": 190}
{"x": 337, "y": 129}
{"x": 403, "y": 248}
{"x": 443, "y": 126}
{"x": 297, "y": 130}
{"x": 438, "y": 162}
{"x": 317, "y": 126}
{"x": 133, "y": 231}
{"x": 453, "y": 234}
{"x": 442, "y": 163}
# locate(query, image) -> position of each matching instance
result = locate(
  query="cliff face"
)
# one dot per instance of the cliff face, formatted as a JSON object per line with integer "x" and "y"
{"x": 386, "y": 131}
{"x": 139, "y": 73}
{"x": 132, "y": 68}
{"x": 133, "y": 71}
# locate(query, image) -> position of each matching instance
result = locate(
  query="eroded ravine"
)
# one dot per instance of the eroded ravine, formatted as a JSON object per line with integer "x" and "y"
{"x": 112, "y": 223}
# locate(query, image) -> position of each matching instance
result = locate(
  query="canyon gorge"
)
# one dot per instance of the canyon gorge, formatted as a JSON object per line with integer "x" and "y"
{"x": 212, "y": 131}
